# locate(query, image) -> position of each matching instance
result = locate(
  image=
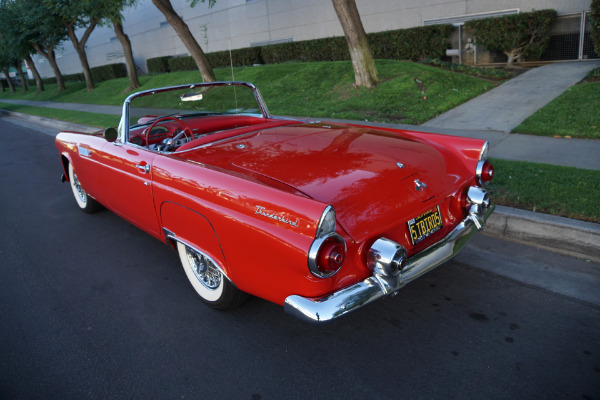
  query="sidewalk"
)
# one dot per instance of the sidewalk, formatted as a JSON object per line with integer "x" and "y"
{"x": 504, "y": 108}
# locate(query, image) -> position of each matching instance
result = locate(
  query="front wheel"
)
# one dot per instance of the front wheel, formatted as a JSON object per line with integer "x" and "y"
{"x": 85, "y": 202}
{"x": 208, "y": 281}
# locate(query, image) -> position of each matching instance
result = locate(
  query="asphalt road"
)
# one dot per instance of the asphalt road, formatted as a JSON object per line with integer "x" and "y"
{"x": 92, "y": 307}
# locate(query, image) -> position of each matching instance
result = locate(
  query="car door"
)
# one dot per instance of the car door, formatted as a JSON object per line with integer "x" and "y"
{"x": 126, "y": 178}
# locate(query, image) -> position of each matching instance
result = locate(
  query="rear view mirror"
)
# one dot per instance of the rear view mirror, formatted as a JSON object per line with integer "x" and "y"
{"x": 110, "y": 134}
{"x": 191, "y": 97}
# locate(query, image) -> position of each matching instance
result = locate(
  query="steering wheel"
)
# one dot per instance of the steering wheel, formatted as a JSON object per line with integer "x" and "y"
{"x": 186, "y": 129}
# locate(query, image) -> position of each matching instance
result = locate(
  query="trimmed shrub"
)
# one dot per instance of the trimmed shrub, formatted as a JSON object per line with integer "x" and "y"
{"x": 185, "y": 63}
{"x": 595, "y": 24}
{"x": 101, "y": 73}
{"x": 424, "y": 42}
{"x": 518, "y": 35}
{"x": 240, "y": 57}
{"x": 404, "y": 44}
{"x": 109, "y": 71}
{"x": 158, "y": 65}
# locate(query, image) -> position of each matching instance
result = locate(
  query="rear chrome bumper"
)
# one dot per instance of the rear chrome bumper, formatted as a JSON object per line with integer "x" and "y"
{"x": 330, "y": 307}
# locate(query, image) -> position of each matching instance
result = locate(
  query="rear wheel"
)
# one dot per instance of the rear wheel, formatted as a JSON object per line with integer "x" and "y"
{"x": 85, "y": 202}
{"x": 208, "y": 281}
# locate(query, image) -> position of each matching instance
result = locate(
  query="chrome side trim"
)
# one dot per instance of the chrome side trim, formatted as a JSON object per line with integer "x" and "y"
{"x": 317, "y": 310}
{"x": 84, "y": 151}
{"x": 484, "y": 151}
{"x": 171, "y": 236}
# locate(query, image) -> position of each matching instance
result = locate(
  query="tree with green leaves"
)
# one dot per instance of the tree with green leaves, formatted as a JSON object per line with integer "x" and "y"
{"x": 6, "y": 59}
{"x": 365, "y": 71}
{"x": 15, "y": 41}
{"x": 183, "y": 31}
{"x": 18, "y": 64}
{"x": 595, "y": 24}
{"x": 73, "y": 14}
{"x": 36, "y": 75}
{"x": 519, "y": 35}
{"x": 42, "y": 30}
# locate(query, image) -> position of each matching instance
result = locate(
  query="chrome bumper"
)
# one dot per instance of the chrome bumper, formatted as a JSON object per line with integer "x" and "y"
{"x": 335, "y": 305}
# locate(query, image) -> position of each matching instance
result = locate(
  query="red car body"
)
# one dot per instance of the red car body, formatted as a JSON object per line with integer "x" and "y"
{"x": 254, "y": 195}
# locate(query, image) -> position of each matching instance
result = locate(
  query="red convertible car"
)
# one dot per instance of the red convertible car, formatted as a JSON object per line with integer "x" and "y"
{"x": 320, "y": 217}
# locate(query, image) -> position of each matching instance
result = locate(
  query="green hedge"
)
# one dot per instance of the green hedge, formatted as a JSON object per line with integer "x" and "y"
{"x": 158, "y": 64}
{"x": 424, "y": 42}
{"x": 595, "y": 24}
{"x": 67, "y": 78}
{"x": 240, "y": 57}
{"x": 328, "y": 49}
{"x": 403, "y": 44}
{"x": 99, "y": 74}
{"x": 109, "y": 71}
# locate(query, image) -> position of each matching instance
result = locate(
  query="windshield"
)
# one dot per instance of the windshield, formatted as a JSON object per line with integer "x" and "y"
{"x": 193, "y": 100}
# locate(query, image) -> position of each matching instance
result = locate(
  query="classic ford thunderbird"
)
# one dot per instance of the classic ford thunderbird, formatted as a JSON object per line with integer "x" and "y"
{"x": 320, "y": 217}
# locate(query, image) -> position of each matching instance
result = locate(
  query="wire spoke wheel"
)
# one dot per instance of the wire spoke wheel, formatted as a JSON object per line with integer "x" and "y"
{"x": 208, "y": 279}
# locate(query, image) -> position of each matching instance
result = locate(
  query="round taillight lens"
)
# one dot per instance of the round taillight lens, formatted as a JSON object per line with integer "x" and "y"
{"x": 326, "y": 255}
{"x": 487, "y": 172}
{"x": 331, "y": 255}
{"x": 459, "y": 202}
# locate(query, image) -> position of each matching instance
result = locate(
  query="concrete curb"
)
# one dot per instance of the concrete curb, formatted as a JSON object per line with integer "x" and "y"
{"x": 568, "y": 236}
{"x": 563, "y": 235}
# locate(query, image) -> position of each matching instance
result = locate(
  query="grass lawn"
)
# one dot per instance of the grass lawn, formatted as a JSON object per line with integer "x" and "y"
{"x": 575, "y": 113}
{"x": 78, "y": 117}
{"x": 565, "y": 191}
{"x": 409, "y": 93}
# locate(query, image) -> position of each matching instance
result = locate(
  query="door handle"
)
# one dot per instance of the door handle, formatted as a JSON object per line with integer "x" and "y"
{"x": 143, "y": 167}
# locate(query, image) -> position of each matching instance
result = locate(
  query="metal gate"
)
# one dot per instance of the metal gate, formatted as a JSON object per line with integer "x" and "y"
{"x": 570, "y": 39}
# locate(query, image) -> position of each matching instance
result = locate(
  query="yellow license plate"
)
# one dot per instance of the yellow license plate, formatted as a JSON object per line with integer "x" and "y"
{"x": 424, "y": 225}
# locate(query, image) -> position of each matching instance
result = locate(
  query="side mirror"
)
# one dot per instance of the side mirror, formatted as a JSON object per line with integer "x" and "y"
{"x": 110, "y": 134}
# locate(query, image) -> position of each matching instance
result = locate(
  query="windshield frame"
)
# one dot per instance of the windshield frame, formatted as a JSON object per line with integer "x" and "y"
{"x": 124, "y": 124}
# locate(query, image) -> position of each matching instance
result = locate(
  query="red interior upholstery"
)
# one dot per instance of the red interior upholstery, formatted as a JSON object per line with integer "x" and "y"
{"x": 219, "y": 122}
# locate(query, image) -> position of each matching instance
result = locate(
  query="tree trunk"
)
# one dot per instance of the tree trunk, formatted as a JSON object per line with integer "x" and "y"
{"x": 11, "y": 85}
{"x": 38, "y": 79}
{"x": 512, "y": 56}
{"x": 134, "y": 83}
{"x": 19, "y": 69}
{"x": 48, "y": 53}
{"x": 79, "y": 46}
{"x": 365, "y": 72}
{"x": 187, "y": 38}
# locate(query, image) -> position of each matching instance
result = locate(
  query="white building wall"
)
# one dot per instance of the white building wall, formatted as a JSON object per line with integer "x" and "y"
{"x": 242, "y": 23}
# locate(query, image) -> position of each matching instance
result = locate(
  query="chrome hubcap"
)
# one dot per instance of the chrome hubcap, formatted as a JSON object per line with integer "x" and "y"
{"x": 204, "y": 269}
{"x": 80, "y": 192}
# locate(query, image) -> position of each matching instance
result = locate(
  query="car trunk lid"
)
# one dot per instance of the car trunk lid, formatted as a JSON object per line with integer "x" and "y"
{"x": 374, "y": 179}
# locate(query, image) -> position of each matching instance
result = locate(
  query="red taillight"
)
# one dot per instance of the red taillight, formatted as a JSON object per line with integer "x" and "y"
{"x": 326, "y": 255}
{"x": 331, "y": 255}
{"x": 487, "y": 172}
{"x": 458, "y": 203}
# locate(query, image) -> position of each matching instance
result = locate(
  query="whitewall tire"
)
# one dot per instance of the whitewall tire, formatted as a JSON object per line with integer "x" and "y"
{"x": 208, "y": 281}
{"x": 84, "y": 201}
